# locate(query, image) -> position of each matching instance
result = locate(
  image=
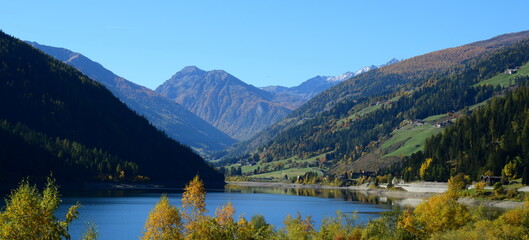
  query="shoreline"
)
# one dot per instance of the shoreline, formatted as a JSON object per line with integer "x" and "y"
{"x": 410, "y": 198}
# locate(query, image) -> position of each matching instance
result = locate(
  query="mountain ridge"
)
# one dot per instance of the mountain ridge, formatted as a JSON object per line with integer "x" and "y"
{"x": 233, "y": 106}
{"x": 313, "y": 86}
{"x": 174, "y": 119}
{"x": 393, "y": 78}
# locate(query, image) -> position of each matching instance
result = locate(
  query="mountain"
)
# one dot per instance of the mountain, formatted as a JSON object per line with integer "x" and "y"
{"x": 166, "y": 115}
{"x": 236, "y": 108}
{"x": 362, "y": 122}
{"x": 296, "y": 96}
{"x": 80, "y": 129}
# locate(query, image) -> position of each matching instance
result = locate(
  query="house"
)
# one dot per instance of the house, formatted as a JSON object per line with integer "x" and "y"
{"x": 511, "y": 71}
{"x": 490, "y": 180}
{"x": 443, "y": 124}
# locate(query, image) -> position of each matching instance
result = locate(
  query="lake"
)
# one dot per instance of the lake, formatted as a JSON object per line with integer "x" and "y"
{"x": 121, "y": 214}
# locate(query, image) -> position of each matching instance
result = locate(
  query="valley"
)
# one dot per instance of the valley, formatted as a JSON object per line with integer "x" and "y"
{"x": 313, "y": 145}
{"x": 264, "y": 120}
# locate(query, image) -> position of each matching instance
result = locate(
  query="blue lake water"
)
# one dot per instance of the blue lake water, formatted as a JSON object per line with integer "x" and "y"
{"x": 121, "y": 214}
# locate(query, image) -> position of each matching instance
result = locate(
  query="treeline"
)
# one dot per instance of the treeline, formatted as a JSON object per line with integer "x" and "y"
{"x": 437, "y": 94}
{"x": 37, "y": 154}
{"x": 439, "y": 217}
{"x": 491, "y": 141}
{"x": 55, "y": 99}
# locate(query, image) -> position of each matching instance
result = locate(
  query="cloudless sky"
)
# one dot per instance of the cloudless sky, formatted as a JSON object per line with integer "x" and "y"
{"x": 268, "y": 42}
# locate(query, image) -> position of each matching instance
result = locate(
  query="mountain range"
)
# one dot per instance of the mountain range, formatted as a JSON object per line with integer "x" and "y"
{"x": 237, "y": 108}
{"x": 210, "y": 105}
{"x": 346, "y": 125}
{"x": 166, "y": 115}
{"x": 313, "y": 86}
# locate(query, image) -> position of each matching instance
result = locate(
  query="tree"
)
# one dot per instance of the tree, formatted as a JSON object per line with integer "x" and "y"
{"x": 480, "y": 188}
{"x": 29, "y": 214}
{"x": 91, "y": 232}
{"x": 438, "y": 214}
{"x": 298, "y": 228}
{"x": 194, "y": 206}
{"x": 457, "y": 183}
{"x": 194, "y": 199}
{"x": 424, "y": 167}
{"x": 164, "y": 222}
{"x": 525, "y": 176}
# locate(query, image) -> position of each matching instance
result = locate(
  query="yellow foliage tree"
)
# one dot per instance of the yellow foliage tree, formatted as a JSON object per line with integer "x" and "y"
{"x": 409, "y": 223}
{"x": 164, "y": 222}
{"x": 424, "y": 167}
{"x": 224, "y": 215}
{"x": 339, "y": 227}
{"x": 509, "y": 170}
{"x": 479, "y": 187}
{"x": 513, "y": 224}
{"x": 457, "y": 183}
{"x": 29, "y": 214}
{"x": 440, "y": 213}
{"x": 194, "y": 208}
{"x": 298, "y": 228}
{"x": 194, "y": 199}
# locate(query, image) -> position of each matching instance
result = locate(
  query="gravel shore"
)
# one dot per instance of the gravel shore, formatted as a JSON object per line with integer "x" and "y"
{"x": 412, "y": 195}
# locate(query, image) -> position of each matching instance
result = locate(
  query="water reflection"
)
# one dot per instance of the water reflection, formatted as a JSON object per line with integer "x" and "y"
{"x": 342, "y": 194}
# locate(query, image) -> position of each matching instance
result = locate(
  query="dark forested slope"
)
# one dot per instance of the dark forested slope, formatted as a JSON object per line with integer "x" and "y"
{"x": 57, "y": 102}
{"x": 166, "y": 115}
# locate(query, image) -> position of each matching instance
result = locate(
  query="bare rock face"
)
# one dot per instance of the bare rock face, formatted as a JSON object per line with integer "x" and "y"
{"x": 236, "y": 108}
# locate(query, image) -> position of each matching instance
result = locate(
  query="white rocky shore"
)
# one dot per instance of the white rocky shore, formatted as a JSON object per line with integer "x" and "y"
{"x": 411, "y": 195}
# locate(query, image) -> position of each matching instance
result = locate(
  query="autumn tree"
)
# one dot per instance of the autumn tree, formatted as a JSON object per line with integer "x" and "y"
{"x": 479, "y": 187}
{"x": 339, "y": 227}
{"x": 164, "y": 222}
{"x": 298, "y": 228}
{"x": 29, "y": 214}
{"x": 457, "y": 183}
{"x": 439, "y": 213}
{"x": 91, "y": 232}
{"x": 194, "y": 199}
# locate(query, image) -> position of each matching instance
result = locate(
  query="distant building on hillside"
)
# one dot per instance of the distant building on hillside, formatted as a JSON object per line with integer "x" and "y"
{"x": 490, "y": 180}
{"x": 443, "y": 124}
{"x": 511, "y": 71}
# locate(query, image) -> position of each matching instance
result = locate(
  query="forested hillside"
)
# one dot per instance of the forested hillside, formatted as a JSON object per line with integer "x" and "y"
{"x": 51, "y": 112}
{"x": 352, "y": 129}
{"x": 390, "y": 81}
{"x": 493, "y": 139}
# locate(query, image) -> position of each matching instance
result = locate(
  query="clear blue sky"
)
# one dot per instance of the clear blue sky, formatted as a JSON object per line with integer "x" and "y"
{"x": 263, "y": 43}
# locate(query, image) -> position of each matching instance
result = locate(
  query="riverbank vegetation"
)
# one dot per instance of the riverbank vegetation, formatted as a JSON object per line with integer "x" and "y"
{"x": 29, "y": 214}
{"x": 440, "y": 217}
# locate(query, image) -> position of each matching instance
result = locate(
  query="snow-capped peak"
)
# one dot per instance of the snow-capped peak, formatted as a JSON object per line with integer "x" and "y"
{"x": 365, "y": 69}
{"x": 341, "y": 77}
{"x": 347, "y": 75}
{"x": 392, "y": 61}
